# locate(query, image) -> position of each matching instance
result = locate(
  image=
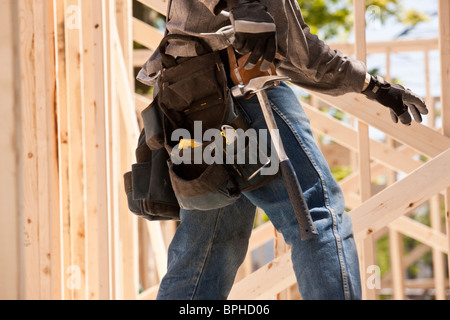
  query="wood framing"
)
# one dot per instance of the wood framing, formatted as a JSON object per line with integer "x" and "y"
{"x": 11, "y": 189}
{"x": 444, "y": 49}
{"x": 70, "y": 120}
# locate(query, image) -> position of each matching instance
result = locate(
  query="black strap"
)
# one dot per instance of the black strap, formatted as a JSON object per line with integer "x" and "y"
{"x": 168, "y": 61}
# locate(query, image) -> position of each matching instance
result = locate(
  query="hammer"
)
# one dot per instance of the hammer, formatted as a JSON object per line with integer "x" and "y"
{"x": 259, "y": 86}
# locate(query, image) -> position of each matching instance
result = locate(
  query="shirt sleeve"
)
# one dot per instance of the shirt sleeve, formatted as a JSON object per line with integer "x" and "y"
{"x": 313, "y": 65}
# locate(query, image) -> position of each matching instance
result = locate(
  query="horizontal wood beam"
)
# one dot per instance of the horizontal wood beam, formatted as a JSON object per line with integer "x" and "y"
{"x": 347, "y": 136}
{"x": 389, "y": 46}
{"x": 266, "y": 282}
{"x": 420, "y": 232}
{"x": 157, "y": 5}
{"x": 261, "y": 235}
{"x": 140, "y": 56}
{"x": 149, "y": 294}
{"x": 403, "y": 196}
{"x": 419, "y": 137}
{"x": 146, "y": 35}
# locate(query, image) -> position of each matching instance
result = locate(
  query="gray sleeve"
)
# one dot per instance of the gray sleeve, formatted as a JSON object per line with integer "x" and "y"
{"x": 313, "y": 65}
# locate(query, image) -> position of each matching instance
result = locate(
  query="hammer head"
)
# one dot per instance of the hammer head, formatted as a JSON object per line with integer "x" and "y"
{"x": 257, "y": 84}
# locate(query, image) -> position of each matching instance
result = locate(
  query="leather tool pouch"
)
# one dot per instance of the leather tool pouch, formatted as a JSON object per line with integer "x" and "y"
{"x": 191, "y": 90}
{"x": 194, "y": 90}
{"x": 148, "y": 187}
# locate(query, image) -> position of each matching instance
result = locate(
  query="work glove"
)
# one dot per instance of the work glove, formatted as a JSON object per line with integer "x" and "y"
{"x": 255, "y": 32}
{"x": 400, "y": 100}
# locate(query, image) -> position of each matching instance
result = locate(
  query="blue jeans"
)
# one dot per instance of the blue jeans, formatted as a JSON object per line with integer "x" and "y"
{"x": 209, "y": 246}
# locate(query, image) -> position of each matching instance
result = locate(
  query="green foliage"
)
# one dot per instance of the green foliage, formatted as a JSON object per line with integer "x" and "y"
{"x": 333, "y": 18}
{"x": 330, "y": 17}
{"x": 340, "y": 173}
{"x": 383, "y": 255}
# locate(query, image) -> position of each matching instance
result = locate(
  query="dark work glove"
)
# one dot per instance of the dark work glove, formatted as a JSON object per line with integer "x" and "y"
{"x": 400, "y": 100}
{"x": 255, "y": 32}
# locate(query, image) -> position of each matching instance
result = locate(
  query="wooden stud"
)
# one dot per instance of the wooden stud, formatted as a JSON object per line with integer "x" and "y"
{"x": 444, "y": 49}
{"x": 30, "y": 205}
{"x": 63, "y": 145}
{"x": 102, "y": 142}
{"x": 395, "y": 238}
{"x": 77, "y": 152}
{"x": 367, "y": 255}
{"x": 46, "y": 136}
{"x": 422, "y": 233}
{"x": 397, "y": 266}
{"x": 91, "y": 65}
{"x": 11, "y": 188}
{"x": 435, "y": 207}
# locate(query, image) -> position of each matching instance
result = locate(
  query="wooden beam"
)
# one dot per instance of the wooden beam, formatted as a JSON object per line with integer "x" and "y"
{"x": 146, "y": 35}
{"x": 423, "y": 139}
{"x": 444, "y": 50}
{"x": 159, "y": 248}
{"x": 409, "y": 259}
{"x": 11, "y": 161}
{"x": 77, "y": 147}
{"x": 391, "y": 46}
{"x": 420, "y": 232}
{"x": 92, "y": 68}
{"x": 149, "y": 294}
{"x": 261, "y": 235}
{"x": 397, "y": 265}
{"x": 350, "y": 185}
{"x": 30, "y": 207}
{"x": 157, "y": 5}
{"x": 367, "y": 254}
{"x": 46, "y": 137}
{"x": 127, "y": 102}
{"x": 140, "y": 56}
{"x": 114, "y": 159}
{"x": 347, "y": 136}
{"x": 402, "y": 197}
{"x": 266, "y": 282}
{"x": 63, "y": 143}
{"x": 128, "y": 130}
{"x": 124, "y": 23}
{"x": 439, "y": 263}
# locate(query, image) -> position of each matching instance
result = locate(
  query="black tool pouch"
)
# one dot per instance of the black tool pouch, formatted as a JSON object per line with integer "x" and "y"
{"x": 190, "y": 90}
{"x": 195, "y": 90}
{"x": 148, "y": 187}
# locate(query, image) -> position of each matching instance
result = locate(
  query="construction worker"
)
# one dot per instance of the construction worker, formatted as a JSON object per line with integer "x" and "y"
{"x": 209, "y": 246}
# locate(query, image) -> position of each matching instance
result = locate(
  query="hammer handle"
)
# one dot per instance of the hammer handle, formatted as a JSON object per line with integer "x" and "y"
{"x": 304, "y": 219}
{"x": 307, "y": 229}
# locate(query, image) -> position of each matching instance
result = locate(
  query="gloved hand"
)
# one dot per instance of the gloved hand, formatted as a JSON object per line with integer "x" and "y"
{"x": 255, "y": 32}
{"x": 400, "y": 100}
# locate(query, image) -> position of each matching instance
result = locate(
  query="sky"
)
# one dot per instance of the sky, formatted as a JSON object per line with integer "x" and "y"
{"x": 409, "y": 67}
